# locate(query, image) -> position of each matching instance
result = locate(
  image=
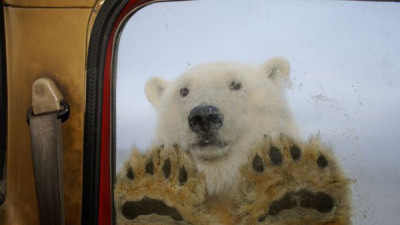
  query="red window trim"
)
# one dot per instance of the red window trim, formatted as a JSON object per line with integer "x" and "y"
{"x": 105, "y": 180}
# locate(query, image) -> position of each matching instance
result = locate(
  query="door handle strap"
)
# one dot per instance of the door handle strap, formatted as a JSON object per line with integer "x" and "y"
{"x": 45, "y": 119}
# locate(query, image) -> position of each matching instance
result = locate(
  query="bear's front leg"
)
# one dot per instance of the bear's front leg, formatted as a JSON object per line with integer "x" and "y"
{"x": 293, "y": 183}
{"x": 160, "y": 187}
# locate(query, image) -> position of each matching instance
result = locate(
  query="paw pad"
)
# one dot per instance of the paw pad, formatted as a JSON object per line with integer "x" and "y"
{"x": 132, "y": 209}
{"x": 183, "y": 175}
{"x": 129, "y": 173}
{"x": 161, "y": 185}
{"x": 276, "y": 158}
{"x": 287, "y": 181}
{"x": 258, "y": 164}
{"x": 167, "y": 168}
{"x": 275, "y": 155}
{"x": 150, "y": 167}
{"x": 319, "y": 201}
{"x": 322, "y": 162}
{"x": 295, "y": 152}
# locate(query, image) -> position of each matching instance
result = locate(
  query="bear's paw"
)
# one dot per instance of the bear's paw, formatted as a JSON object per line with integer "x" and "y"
{"x": 287, "y": 182}
{"x": 160, "y": 187}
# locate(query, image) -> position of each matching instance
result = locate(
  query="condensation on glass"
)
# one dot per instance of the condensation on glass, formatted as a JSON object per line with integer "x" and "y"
{"x": 344, "y": 77}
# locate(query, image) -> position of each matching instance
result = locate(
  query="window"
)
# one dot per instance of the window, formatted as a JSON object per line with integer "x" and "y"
{"x": 344, "y": 81}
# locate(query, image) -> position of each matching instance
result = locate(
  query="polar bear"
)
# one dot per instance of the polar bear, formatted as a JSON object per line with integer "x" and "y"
{"x": 217, "y": 111}
{"x": 227, "y": 151}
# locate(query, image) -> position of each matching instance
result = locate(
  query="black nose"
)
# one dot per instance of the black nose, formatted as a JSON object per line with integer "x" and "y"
{"x": 205, "y": 119}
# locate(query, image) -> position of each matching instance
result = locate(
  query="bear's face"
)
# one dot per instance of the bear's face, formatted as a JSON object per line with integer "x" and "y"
{"x": 217, "y": 111}
{"x": 213, "y": 108}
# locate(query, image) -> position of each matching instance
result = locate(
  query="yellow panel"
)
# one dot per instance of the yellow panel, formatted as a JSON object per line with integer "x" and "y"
{"x": 50, "y": 3}
{"x": 44, "y": 42}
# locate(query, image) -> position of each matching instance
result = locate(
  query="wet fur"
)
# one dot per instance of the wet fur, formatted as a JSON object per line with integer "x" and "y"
{"x": 258, "y": 108}
{"x": 273, "y": 188}
{"x": 242, "y": 183}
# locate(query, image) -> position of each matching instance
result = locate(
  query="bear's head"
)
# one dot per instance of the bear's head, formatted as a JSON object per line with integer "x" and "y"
{"x": 217, "y": 111}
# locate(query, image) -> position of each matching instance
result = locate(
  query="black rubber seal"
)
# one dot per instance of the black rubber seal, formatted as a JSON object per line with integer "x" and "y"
{"x": 101, "y": 31}
{"x": 100, "y": 36}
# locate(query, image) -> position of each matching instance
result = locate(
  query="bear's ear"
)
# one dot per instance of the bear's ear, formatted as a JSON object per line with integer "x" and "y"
{"x": 277, "y": 69}
{"x": 155, "y": 88}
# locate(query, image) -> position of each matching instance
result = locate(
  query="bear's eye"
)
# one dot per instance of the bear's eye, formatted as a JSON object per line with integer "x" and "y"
{"x": 183, "y": 92}
{"x": 235, "y": 85}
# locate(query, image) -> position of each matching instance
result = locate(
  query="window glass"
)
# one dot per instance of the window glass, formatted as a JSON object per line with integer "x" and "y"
{"x": 344, "y": 77}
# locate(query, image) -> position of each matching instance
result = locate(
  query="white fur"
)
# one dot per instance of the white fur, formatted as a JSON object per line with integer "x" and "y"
{"x": 258, "y": 108}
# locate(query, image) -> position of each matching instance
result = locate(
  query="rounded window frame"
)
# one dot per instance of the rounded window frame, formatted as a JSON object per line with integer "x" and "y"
{"x": 99, "y": 132}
